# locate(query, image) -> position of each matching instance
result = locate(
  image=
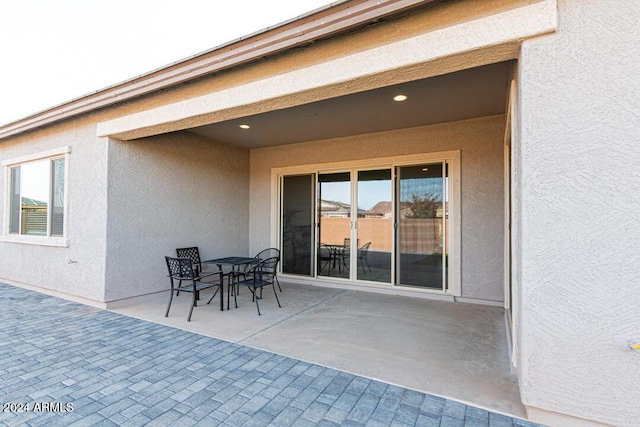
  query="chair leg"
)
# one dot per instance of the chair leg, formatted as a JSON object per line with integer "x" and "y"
{"x": 169, "y": 306}
{"x": 276, "y": 294}
{"x": 256, "y": 298}
{"x": 235, "y": 295}
{"x": 193, "y": 304}
{"x": 214, "y": 295}
{"x": 278, "y": 282}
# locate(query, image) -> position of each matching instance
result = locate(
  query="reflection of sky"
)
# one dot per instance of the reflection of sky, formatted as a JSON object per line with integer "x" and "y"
{"x": 34, "y": 180}
{"x": 420, "y": 187}
{"x": 372, "y": 192}
{"x": 369, "y": 192}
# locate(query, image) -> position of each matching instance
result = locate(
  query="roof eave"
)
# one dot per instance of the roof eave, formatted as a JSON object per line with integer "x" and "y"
{"x": 330, "y": 20}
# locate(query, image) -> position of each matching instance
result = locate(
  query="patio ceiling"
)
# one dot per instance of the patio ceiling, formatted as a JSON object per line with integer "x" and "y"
{"x": 467, "y": 94}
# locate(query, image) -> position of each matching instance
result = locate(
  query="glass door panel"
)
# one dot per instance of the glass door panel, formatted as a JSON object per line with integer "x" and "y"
{"x": 334, "y": 223}
{"x": 297, "y": 221}
{"x": 375, "y": 221}
{"x": 421, "y": 237}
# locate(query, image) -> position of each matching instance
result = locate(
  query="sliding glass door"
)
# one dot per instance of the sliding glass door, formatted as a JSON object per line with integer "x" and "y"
{"x": 386, "y": 225}
{"x": 374, "y": 245}
{"x": 422, "y": 227}
{"x": 297, "y": 220}
{"x": 334, "y": 224}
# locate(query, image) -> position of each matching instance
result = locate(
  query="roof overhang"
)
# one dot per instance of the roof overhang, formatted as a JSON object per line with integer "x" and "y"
{"x": 335, "y": 18}
{"x": 487, "y": 39}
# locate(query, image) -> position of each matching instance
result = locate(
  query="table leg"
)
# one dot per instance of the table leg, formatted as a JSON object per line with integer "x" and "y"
{"x": 221, "y": 287}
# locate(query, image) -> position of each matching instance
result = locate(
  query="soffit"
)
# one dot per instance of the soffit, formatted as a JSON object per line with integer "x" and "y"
{"x": 476, "y": 92}
{"x": 467, "y": 45}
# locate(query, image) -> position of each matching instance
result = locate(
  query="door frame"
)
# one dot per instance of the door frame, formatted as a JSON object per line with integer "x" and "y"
{"x": 452, "y": 157}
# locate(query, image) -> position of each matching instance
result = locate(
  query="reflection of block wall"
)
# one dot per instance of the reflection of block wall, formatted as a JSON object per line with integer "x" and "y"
{"x": 334, "y": 230}
{"x": 419, "y": 235}
{"x": 377, "y": 231}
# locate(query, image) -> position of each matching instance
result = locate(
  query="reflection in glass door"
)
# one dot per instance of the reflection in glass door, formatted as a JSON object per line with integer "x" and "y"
{"x": 375, "y": 215}
{"x": 334, "y": 224}
{"x": 422, "y": 226}
{"x": 297, "y": 224}
{"x": 388, "y": 225}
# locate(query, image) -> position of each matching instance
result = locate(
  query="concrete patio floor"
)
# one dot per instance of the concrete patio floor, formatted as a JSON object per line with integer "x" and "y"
{"x": 454, "y": 350}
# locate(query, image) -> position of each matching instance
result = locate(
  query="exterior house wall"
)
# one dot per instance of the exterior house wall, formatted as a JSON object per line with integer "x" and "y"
{"x": 169, "y": 191}
{"x": 78, "y": 269}
{"x": 481, "y": 145}
{"x": 579, "y": 206}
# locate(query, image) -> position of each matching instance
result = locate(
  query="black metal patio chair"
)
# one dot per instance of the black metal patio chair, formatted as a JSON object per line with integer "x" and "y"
{"x": 325, "y": 257}
{"x": 270, "y": 253}
{"x": 181, "y": 270}
{"x": 345, "y": 252}
{"x": 263, "y": 254}
{"x": 257, "y": 277}
{"x": 192, "y": 253}
{"x": 363, "y": 253}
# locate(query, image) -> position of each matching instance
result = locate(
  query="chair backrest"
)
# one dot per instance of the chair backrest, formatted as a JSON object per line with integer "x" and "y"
{"x": 347, "y": 241}
{"x": 180, "y": 268}
{"x": 268, "y": 266}
{"x": 192, "y": 253}
{"x": 364, "y": 249}
{"x": 268, "y": 253}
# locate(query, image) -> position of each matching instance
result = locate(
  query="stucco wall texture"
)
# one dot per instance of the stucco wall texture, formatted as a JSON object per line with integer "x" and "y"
{"x": 76, "y": 270}
{"x": 580, "y": 210}
{"x": 169, "y": 191}
{"x": 481, "y": 145}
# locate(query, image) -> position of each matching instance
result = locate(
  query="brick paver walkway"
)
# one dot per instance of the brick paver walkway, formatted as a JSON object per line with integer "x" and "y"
{"x": 66, "y": 364}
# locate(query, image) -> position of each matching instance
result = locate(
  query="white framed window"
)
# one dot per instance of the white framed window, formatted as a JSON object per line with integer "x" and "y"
{"x": 36, "y": 198}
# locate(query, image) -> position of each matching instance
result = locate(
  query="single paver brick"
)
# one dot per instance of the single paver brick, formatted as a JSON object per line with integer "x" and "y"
{"x": 315, "y": 412}
{"x": 407, "y": 414}
{"x": 454, "y": 409}
{"x": 447, "y": 421}
{"x": 477, "y": 413}
{"x": 498, "y": 420}
{"x": 432, "y": 406}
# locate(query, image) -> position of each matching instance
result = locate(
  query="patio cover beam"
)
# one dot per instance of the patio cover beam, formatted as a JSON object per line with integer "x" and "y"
{"x": 488, "y": 39}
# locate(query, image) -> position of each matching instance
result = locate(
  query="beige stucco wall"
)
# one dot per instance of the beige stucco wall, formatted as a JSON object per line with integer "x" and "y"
{"x": 49, "y": 268}
{"x": 480, "y": 142}
{"x": 580, "y": 210}
{"x": 169, "y": 191}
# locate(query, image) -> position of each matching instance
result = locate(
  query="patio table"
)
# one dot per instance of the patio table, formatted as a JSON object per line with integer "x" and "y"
{"x": 336, "y": 251}
{"x": 234, "y": 262}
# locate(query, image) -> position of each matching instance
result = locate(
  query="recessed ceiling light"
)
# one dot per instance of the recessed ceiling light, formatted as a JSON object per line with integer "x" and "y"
{"x": 400, "y": 98}
{"x": 244, "y": 126}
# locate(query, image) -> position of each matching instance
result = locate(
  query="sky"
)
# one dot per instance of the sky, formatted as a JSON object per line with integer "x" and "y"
{"x": 54, "y": 51}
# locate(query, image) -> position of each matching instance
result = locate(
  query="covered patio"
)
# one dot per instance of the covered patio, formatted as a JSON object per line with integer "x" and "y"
{"x": 458, "y": 351}
{"x": 235, "y": 164}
